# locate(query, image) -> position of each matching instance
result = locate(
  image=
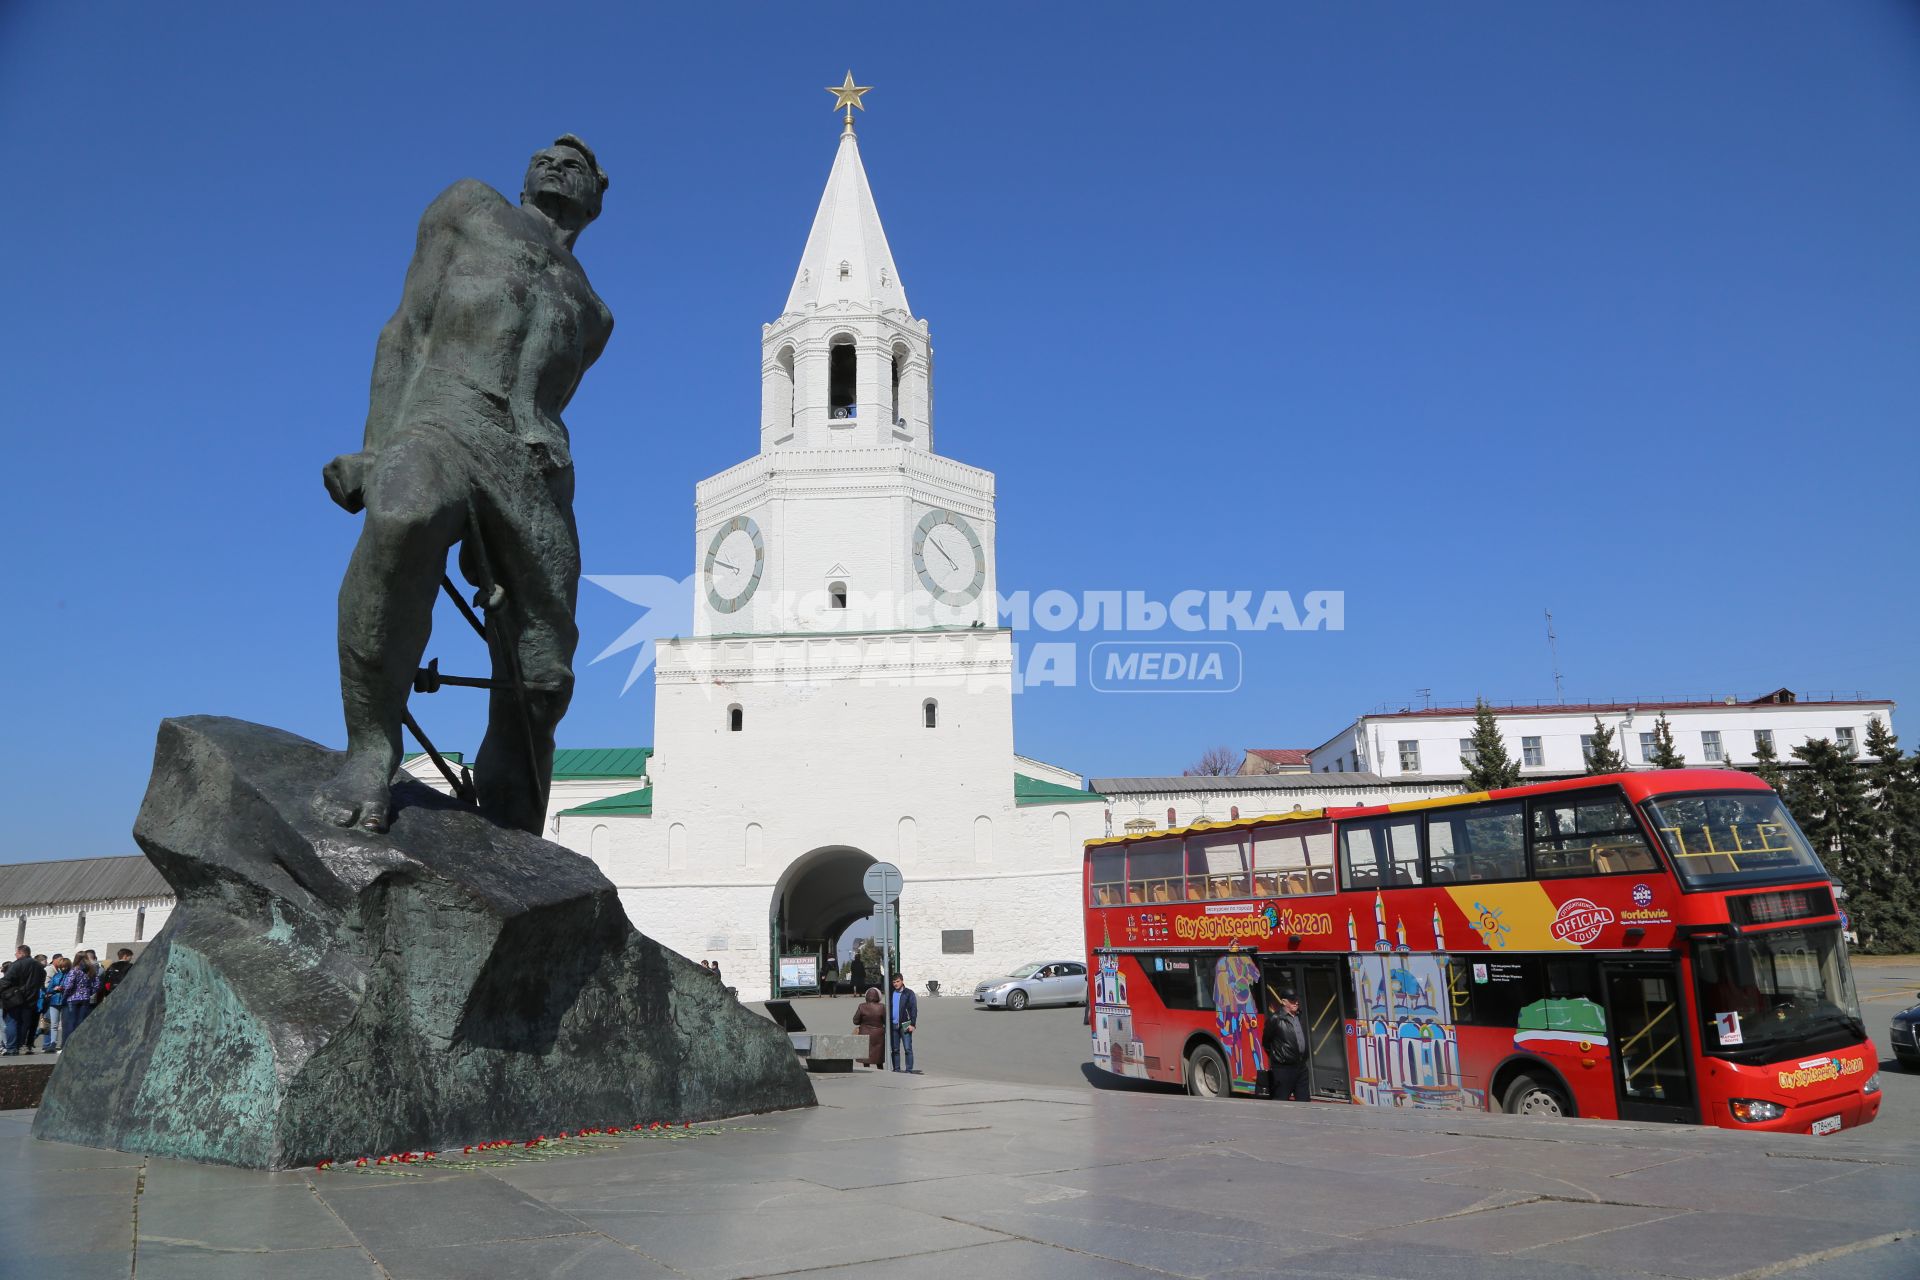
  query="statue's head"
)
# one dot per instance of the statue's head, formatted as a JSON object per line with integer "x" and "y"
{"x": 567, "y": 173}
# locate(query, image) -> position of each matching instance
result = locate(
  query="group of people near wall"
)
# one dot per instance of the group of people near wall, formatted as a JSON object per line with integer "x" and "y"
{"x": 44, "y": 1001}
{"x": 893, "y": 1016}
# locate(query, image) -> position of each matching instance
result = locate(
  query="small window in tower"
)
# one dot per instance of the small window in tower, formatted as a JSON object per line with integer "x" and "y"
{"x": 140, "y": 924}
{"x": 899, "y": 367}
{"x": 736, "y": 719}
{"x": 840, "y": 383}
{"x": 80, "y": 929}
{"x": 837, "y": 595}
{"x": 930, "y": 713}
{"x": 846, "y": 269}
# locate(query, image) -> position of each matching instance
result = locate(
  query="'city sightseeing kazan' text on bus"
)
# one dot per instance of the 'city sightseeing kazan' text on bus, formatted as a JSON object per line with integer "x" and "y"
{"x": 1644, "y": 946}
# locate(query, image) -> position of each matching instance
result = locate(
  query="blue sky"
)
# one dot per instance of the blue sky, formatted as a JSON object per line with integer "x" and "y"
{"x": 1469, "y": 311}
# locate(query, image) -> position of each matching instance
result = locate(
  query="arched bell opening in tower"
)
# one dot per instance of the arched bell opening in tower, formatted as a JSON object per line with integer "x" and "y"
{"x": 840, "y": 379}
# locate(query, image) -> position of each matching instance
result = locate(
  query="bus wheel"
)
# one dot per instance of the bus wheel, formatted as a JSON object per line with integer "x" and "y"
{"x": 1016, "y": 1000}
{"x": 1532, "y": 1096}
{"x": 1206, "y": 1072}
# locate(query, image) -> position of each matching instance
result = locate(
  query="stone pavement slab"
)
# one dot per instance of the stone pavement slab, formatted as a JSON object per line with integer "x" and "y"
{"x": 911, "y": 1175}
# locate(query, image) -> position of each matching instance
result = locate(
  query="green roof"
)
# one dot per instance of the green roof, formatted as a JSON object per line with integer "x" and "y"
{"x": 630, "y": 804}
{"x": 580, "y": 763}
{"x": 1038, "y": 791}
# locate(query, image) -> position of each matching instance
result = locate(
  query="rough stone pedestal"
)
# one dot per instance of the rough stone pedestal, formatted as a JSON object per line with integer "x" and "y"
{"x": 324, "y": 993}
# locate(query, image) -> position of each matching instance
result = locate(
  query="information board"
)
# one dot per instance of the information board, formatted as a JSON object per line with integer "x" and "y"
{"x": 799, "y": 973}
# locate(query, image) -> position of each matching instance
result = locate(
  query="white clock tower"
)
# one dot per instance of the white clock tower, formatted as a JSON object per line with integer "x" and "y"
{"x": 846, "y": 696}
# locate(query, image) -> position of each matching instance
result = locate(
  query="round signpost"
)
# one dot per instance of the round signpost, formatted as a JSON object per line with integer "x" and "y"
{"x": 882, "y": 883}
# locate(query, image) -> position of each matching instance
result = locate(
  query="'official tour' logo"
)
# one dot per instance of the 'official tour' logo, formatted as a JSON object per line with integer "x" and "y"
{"x": 1580, "y": 921}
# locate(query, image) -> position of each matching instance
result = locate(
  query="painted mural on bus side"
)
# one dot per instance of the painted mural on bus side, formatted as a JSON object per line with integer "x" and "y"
{"x": 1236, "y": 1014}
{"x": 1114, "y": 1047}
{"x": 1406, "y": 1046}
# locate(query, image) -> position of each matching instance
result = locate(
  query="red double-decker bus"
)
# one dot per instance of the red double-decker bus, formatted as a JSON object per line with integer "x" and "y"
{"x": 1642, "y": 946}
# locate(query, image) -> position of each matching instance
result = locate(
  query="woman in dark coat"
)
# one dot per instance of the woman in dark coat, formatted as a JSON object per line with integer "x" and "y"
{"x": 871, "y": 1017}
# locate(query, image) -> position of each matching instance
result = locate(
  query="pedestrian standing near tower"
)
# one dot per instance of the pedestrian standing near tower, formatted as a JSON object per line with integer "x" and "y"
{"x": 903, "y": 1014}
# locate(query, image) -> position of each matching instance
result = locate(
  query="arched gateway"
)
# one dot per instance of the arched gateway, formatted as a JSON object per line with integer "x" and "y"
{"x": 819, "y": 896}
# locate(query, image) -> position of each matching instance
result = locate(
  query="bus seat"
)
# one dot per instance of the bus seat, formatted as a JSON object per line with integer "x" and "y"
{"x": 1322, "y": 880}
{"x": 1133, "y": 893}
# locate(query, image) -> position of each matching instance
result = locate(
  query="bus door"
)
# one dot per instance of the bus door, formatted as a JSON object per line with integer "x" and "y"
{"x": 1646, "y": 1024}
{"x": 1321, "y": 986}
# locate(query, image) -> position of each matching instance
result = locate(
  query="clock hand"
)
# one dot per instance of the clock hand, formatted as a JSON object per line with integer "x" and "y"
{"x": 724, "y": 565}
{"x": 944, "y": 556}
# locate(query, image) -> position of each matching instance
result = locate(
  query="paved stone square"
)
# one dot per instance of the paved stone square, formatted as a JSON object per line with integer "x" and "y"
{"x": 932, "y": 1176}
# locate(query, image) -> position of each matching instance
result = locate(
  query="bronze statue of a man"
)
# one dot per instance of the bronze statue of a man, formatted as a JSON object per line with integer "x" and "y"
{"x": 464, "y": 444}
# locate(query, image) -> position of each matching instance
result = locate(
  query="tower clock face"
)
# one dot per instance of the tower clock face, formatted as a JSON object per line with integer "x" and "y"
{"x": 948, "y": 557}
{"x": 736, "y": 560}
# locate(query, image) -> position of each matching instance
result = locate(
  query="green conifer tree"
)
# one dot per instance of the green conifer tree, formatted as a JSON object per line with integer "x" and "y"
{"x": 1766, "y": 765}
{"x": 1830, "y": 800}
{"x": 1893, "y": 778}
{"x": 1489, "y": 767}
{"x": 1602, "y": 757}
{"x": 1665, "y": 755}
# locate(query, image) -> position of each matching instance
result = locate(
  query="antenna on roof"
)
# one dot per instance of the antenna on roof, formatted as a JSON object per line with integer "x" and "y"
{"x": 1553, "y": 648}
{"x": 1426, "y": 698}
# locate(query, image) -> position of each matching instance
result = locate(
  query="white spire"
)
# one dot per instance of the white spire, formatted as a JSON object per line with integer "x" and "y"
{"x": 847, "y": 258}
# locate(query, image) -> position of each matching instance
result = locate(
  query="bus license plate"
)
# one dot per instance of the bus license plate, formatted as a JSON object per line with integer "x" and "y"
{"x": 1829, "y": 1125}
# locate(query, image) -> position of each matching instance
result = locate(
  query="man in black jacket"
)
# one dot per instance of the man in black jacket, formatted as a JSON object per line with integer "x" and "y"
{"x": 20, "y": 984}
{"x": 116, "y": 972}
{"x": 1286, "y": 1045}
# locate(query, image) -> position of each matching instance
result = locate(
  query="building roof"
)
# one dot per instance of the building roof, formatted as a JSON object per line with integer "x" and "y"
{"x": 1039, "y": 791}
{"x": 1779, "y": 697}
{"x": 847, "y": 258}
{"x": 1281, "y": 755}
{"x": 33, "y": 884}
{"x": 1244, "y": 782}
{"x": 579, "y": 763}
{"x": 453, "y": 757}
{"x": 626, "y": 804}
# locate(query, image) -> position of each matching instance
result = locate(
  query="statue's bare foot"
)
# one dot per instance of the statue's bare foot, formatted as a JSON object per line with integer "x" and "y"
{"x": 357, "y": 796}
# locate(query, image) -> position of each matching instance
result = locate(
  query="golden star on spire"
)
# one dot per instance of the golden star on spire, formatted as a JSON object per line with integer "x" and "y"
{"x": 848, "y": 95}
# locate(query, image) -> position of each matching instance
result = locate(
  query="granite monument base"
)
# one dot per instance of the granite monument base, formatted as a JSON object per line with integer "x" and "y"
{"x": 323, "y": 993}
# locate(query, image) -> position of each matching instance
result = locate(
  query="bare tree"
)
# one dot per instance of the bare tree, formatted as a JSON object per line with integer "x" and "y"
{"x": 1214, "y": 762}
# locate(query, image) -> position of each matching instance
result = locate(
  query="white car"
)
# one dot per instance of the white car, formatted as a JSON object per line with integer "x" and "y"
{"x": 1047, "y": 982}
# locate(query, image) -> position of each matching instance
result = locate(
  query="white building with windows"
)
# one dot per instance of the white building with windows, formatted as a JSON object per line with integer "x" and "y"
{"x": 97, "y": 904}
{"x": 1551, "y": 740}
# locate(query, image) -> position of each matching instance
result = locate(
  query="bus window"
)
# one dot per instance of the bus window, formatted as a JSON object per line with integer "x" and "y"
{"x": 1109, "y": 877}
{"x": 1379, "y": 853}
{"x": 1155, "y": 872}
{"x": 1293, "y": 859}
{"x": 1175, "y": 980}
{"x": 1217, "y": 865}
{"x": 1479, "y": 842}
{"x": 1586, "y": 833}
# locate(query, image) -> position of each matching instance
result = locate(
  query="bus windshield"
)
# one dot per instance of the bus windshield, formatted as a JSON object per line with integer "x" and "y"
{"x": 1732, "y": 837}
{"x": 1764, "y": 996}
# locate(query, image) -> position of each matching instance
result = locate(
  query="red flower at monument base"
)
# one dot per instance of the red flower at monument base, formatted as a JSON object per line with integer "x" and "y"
{"x": 476, "y": 1148}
